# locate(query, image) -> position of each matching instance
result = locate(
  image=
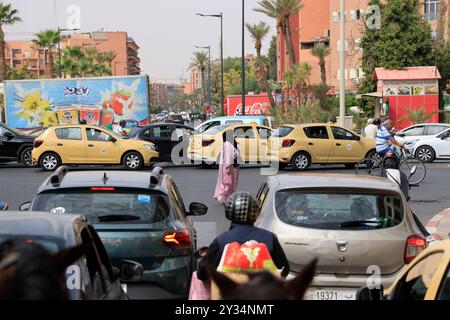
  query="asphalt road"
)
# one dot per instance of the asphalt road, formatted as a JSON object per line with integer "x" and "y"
{"x": 18, "y": 184}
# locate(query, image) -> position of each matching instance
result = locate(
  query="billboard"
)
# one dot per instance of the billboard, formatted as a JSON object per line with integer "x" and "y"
{"x": 101, "y": 101}
{"x": 254, "y": 105}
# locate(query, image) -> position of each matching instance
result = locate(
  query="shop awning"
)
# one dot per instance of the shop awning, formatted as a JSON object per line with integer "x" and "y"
{"x": 411, "y": 73}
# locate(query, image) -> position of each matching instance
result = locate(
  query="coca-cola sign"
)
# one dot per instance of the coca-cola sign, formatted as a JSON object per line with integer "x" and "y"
{"x": 255, "y": 105}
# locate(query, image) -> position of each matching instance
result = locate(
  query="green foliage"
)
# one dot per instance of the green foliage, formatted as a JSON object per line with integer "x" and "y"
{"x": 272, "y": 56}
{"x": 76, "y": 62}
{"x": 417, "y": 116}
{"x": 19, "y": 74}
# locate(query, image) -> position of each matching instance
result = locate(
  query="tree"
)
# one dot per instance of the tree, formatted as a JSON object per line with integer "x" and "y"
{"x": 320, "y": 51}
{"x": 281, "y": 10}
{"x": 8, "y": 16}
{"x": 19, "y": 74}
{"x": 272, "y": 55}
{"x": 258, "y": 32}
{"x": 49, "y": 39}
{"x": 200, "y": 61}
{"x": 441, "y": 24}
{"x": 106, "y": 57}
{"x": 403, "y": 40}
{"x": 417, "y": 116}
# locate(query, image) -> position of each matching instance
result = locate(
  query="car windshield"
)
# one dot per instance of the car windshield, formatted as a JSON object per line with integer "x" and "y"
{"x": 338, "y": 210}
{"x": 215, "y": 129}
{"x": 53, "y": 245}
{"x": 117, "y": 206}
{"x": 13, "y": 130}
{"x": 282, "y": 132}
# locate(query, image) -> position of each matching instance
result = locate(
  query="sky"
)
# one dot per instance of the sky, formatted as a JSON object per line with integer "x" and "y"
{"x": 166, "y": 30}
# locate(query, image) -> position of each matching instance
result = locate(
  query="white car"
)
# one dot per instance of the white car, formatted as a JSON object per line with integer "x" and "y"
{"x": 420, "y": 131}
{"x": 431, "y": 148}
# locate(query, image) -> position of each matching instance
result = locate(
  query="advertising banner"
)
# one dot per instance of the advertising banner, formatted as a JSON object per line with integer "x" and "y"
{"x": 254, "y": 105}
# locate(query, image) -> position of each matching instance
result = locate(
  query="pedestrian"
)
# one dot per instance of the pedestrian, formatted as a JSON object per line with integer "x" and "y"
{"x": 242, "y": 210}
{"x": 3, "y": 206}
{"x": 120, "y": 130}
{"x": 228, "y": 175}
{"x": 370, "y": 131}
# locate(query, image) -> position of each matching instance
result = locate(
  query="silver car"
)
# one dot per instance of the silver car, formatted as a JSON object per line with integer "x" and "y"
{"x": 360, "y": 228}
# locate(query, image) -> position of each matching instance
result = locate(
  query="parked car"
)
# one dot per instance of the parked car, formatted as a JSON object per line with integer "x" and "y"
{"x": 165, "y": 137}
{"x": 251, "y": 140}
{"x": 427, "y": 277}
{"x": 233, "y": 120}
{"x": 15, "y": 146}
{"x": 175, "y": 118}
{"x": 352, "y": 224}
{"x": 86, "y": 144}
{"x": 420, "y": 131}
{"x": 138, "y": 215}
{"x": 99, "y": 280}
{"x": 301, "y": 145}
{"x": 430, "y": 148}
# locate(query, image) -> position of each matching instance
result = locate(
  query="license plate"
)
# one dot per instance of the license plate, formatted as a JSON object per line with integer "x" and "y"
{"x": 331, "y": 294}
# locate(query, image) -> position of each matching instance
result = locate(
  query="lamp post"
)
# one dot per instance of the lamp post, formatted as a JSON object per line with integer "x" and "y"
{"x": 59, "y": 50}
{"x": 222, "y": 98}
{"x": 243, "y": 60}
{"x": 209, "y": 71}
{"x": 342, "y": 65}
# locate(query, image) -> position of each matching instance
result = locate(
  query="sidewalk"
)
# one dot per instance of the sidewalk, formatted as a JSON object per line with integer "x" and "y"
{"x": 439, "y": 225}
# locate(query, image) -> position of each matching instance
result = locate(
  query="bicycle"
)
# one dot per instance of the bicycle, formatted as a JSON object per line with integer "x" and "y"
{"x": 374, "y": 165}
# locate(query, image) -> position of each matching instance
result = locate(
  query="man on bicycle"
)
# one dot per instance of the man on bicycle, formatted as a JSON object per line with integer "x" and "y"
{"x": 385, "y": 140}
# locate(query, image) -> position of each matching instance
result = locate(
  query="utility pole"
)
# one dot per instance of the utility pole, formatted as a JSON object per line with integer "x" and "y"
{"x": 342, "y": 65}
{"x": 243, "y": 60}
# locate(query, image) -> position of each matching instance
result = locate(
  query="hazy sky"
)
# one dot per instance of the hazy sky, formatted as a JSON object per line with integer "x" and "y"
{"x": 166, "y": 30}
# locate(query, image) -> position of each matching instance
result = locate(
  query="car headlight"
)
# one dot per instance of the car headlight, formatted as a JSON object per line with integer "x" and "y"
{"x": 150, "y": 147}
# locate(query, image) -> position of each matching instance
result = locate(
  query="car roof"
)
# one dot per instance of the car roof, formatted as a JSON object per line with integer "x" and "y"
{"x": 330, "y": 180}
{"x": 18, "y": 223}
{"x": 235, "y": 117}
{"x": 165, "y": 124}
{"x": 306, "y": 124}
{"x": 96, "y": 178}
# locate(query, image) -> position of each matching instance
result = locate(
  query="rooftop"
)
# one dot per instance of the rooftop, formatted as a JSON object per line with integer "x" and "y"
{"x": 412, "y": 73}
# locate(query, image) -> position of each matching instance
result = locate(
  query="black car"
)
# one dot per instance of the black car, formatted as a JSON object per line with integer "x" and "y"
{"x": 90, "y": 278}
{"x": 139, "y": 216}
{"x": 166, "y": 136}
{"x": 175, "y": 118}
{"x": 15, "y": 146}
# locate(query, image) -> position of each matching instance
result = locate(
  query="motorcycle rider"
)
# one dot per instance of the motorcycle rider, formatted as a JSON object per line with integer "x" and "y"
{"x": 385, "y": 140}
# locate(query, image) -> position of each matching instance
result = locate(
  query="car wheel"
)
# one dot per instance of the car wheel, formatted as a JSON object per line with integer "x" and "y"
{"x": 374, "y": 156}
{"x": 425, "y": 154}
{"x": 132, "y": 161}
{"x": 25, "y": 157}
{"x": 50, "y": 161}
{"x": 301, "y": 161}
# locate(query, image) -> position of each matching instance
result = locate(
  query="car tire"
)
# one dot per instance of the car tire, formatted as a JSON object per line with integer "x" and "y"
{"x": 49, "y": 161}
{"x": 371, "y": 155}
{"x": 426, "y": 154}
{"x": 25, "y": 157}
{"x": 132, "y": 161}
{"x": 301, "y": 161}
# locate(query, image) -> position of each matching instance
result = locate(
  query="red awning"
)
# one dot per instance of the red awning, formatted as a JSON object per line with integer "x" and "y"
{"x": 412, "y": 73}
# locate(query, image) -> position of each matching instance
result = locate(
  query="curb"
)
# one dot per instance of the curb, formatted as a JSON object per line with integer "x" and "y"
{"x": 433, "y": 225}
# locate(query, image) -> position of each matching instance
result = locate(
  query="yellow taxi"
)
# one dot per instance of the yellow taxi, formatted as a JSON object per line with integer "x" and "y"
{"x": 427, "y": 277}
{"x": 304, "y": 144}
{"x": 86, "y": 144}
{"x": 251, "y": 140}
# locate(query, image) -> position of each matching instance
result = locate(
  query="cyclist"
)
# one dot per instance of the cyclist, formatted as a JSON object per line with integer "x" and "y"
{"x": 385, "y": 140}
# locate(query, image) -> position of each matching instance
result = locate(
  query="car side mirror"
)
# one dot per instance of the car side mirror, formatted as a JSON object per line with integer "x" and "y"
{"x": 9, "y": 135}
{"x": 197, "y": 209}
{"x": 357, "y": 138}
{"x": 366, "y": 293}
{"x": 112, "y": 139}
{"x": 131, "y": 271}
{"x": 25, "y": 206}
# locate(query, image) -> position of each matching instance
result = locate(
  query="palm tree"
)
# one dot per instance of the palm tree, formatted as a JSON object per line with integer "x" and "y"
{"x": 258, "y": 32}
{"x": 49, "y": 39}
{"x": 321, "y": 52}
{"x": 106, "y": 57}
{"x": 199, "y": 61}
{"x": 8, "y": 16}
{"x": 417, "y": 116}
{"x": 281, "y": 10}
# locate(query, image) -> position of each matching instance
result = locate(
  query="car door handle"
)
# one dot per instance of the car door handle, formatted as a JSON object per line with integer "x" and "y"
{"x": 338, "y": 144}
{"x": 91, "y": 145}
{"x": 310, "y": 143}
{"x": 59, "y": 144}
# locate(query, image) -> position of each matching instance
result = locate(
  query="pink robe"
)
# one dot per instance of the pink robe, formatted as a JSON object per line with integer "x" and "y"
{"x": 227, "y": 184}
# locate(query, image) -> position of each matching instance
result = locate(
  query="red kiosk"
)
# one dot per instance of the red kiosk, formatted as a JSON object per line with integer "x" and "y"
{"x": 412, "y": 88}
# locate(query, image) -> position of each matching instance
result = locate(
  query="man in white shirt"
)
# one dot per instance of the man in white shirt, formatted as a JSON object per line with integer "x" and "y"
{"x": 370, "y": 131}
{"x": 120, "y": 130}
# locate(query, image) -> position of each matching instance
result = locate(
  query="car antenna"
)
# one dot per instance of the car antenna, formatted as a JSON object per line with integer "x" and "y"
{"x": 105, "y": 178}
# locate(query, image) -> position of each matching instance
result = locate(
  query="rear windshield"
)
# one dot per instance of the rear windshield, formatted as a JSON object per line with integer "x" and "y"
{"x": 338, "y": 210}
{"x": 282, "y": 132}
{"x": 215, "y": 129}
{"x": 117, "y": 206}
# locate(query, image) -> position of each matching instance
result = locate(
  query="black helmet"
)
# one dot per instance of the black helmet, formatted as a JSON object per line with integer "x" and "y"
{"x": 377, "y": 121}
{"x": 122, "y": 123}
{"x": 241, "y": 208}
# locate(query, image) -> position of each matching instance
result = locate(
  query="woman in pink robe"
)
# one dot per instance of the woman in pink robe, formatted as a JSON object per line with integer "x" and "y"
{"x": 228, "y": 176}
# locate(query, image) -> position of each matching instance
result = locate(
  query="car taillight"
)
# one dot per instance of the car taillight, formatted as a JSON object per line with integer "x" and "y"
{"x": 414, "y": 245}
{"x": 37, "y": 143}
{"x": 207, "y": 142}
{"x": 177, "y": 239}
{"x": 288, "y": 143}
{"x": 103, "y": 188}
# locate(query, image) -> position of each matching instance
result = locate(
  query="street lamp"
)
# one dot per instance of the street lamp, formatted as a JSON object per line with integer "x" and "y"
{"x": 209, "y": 71}
{"x": 342, "y": 65}
{"x": 59, "y": 50}
{"x": 243, "y": 61}
{"x": 221, "y": 55}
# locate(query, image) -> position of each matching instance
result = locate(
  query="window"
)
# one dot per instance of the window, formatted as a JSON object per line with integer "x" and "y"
{"x": 208, "y": 126}
{"x": 93, "y": 263}
{"x": 97, "y": 135}
{"x": 432, "y": 130}
{"x": 105, "y": 264}
{"x": 319, "y": 132}
{"x": 431, "y": 10}
{"x": 16, "y": 63}
{"x": 414, "y": 285}
{"x": 358, "y": 44}
{"x": 307, "y": 46}
{"x": 353, "y": 74}
{"x": 345, "y": 209}
{"x": 244, "y": 132}
{"x": 264, "y": 133}
{"x": 282, "y": 132}
{"x": 215, "y": 129}
{"x": 342, "y": 134}
{"x": 358, "y": 14}
{"x": 161, "y": 132}
{"x": 262, "y": 195}
{"x": 16, "y": 51}
{"x": 233, "y": 122}
{"x": 68, "y": 133}
{"x": 176, "y": 201}
{"x": 444, "y": 293}
{"x": 335, "y": 17}
{"x": 415, "y": 131}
